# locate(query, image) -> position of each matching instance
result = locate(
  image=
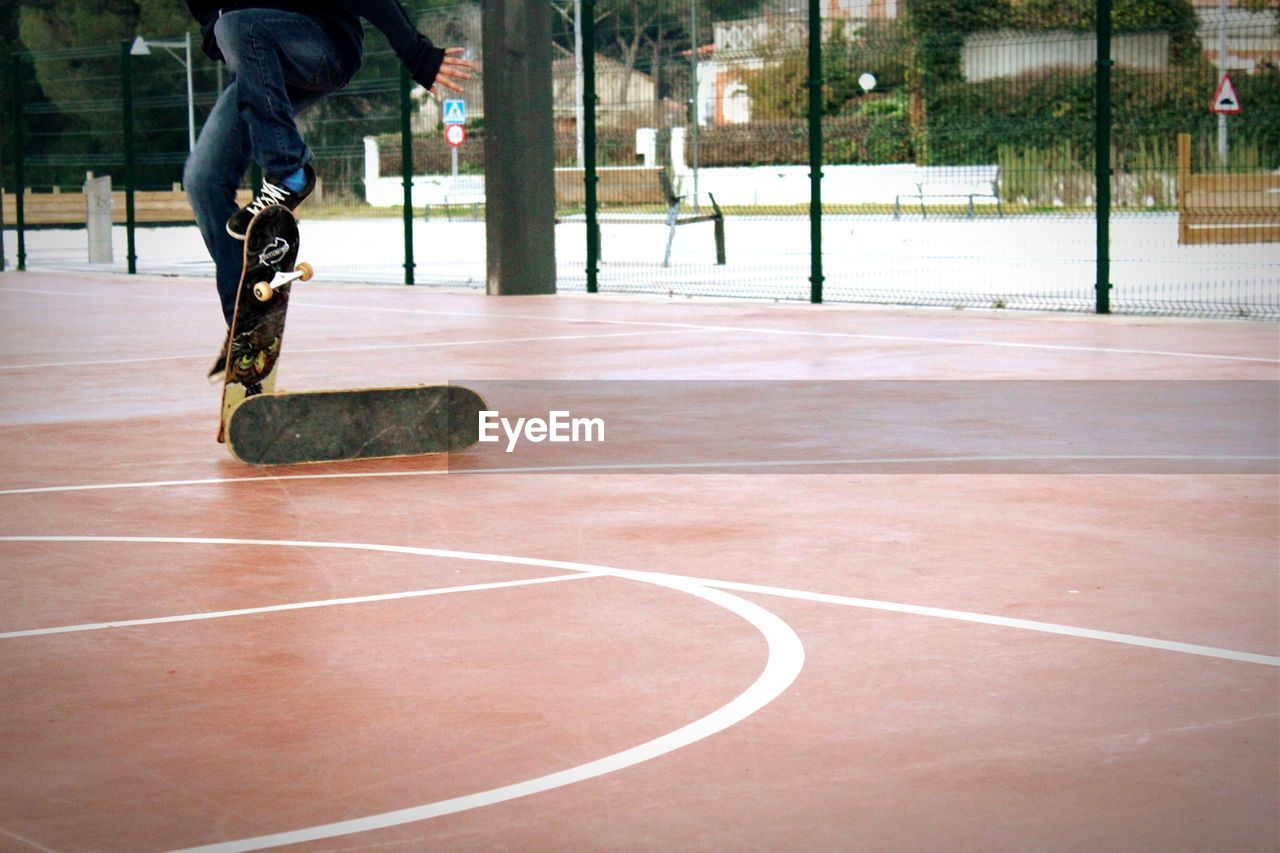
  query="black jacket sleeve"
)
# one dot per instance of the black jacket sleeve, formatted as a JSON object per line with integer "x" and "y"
{"x": 419, "y": 55}
{"x": 206, "y": 13}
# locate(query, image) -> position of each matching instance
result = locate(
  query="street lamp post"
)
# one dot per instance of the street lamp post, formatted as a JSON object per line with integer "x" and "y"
{"x": 1222, "y": 72}
{"x": 142, "y": 47}
{"x": 578, "y": 112}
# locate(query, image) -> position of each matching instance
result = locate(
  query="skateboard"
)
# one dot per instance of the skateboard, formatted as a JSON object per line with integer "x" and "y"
{"x": 369, "y": 423}
{"x": 262, "y": 301}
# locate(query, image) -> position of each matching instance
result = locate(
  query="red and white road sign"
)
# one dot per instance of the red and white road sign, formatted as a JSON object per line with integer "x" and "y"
{"x": 455, "y": 134}
{"x": 1225, "y": 100}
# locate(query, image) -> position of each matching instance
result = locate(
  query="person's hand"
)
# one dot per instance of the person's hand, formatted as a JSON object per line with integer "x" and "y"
{"x": 452, "y": 71}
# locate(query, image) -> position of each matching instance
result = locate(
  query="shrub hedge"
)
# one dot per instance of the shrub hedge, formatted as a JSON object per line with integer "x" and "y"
{"x": 968, "y": 122}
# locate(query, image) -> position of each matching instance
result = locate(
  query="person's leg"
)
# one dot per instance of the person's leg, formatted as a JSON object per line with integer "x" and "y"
{"x": 213, "y": 173}
{"x": 283, "y": 62}
{"x": 274, "y": 55}
{"x": 211, "y": 177}
{"x": 280, "y": 58}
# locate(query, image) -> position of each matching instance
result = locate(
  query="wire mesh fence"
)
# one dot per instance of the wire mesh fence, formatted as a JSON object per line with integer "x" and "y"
{"x": 956, "y": 154}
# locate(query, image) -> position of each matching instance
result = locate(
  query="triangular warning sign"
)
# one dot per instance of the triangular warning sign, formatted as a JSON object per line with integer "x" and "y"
{"x": 1225, "y": 99}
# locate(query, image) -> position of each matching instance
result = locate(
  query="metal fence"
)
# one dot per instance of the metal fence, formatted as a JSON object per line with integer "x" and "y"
{"x": 944, "y": 158}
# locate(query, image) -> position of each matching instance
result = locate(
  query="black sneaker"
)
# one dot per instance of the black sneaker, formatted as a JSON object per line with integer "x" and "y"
{"x": 271, "y": 193}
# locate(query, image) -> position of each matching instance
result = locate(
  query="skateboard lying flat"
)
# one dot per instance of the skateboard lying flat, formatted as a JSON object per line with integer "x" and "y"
{"x": 330, "y": 426}
{"x": 262, "y": 301}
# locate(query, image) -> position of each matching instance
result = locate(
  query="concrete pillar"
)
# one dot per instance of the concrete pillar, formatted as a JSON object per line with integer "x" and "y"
{"x": 519, "y": 137}
{"x": 97, "y": 201}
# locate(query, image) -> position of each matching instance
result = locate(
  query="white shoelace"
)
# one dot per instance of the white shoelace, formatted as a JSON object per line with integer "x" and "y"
{"x": 271, "y": 194}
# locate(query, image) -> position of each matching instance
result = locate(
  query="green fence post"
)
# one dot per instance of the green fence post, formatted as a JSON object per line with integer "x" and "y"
{"x": 1102, "y": 158}
{"x": 815, "y": 151}
{"x": 406, "y": 169}
{"x": 589, "y": 179}
{"x": 19, "y": 172}
{"x": 126, "y": 87}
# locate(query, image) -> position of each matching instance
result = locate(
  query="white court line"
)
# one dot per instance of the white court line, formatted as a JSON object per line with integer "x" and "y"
{"x": 888, "y": 460}
{"x": 726, "y": 465}
{"x": 813, "y": 333}
{"x": 26, "y": 842}
{"x": 667, "y": 579}
{"x": 298, "y": 605}
{"x": 999, "y": 621}
{"x": 104, "y": 362}
{"x": 110, "y": 295}
{"x": 785, "y": 332}
{"x": 785, "y": 659}
{"x": 358, "y": 348}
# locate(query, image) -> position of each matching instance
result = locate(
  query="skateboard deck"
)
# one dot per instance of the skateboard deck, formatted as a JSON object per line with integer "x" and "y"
{"x": 262, "y": 302}
{"x": 330, "y": 426}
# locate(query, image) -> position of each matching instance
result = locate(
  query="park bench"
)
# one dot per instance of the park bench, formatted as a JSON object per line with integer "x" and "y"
{"x": 1241, "y": 207}
{"x": 639, "y": 186}
{"x": 616, "y": 187}
{"x": 466, "y": 191}
{"x": 948, "y": 188}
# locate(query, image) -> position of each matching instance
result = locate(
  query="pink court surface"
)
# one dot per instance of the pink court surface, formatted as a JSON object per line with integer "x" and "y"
{"x": 399, "y": 655}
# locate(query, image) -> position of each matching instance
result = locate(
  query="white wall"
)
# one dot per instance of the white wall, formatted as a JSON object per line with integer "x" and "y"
{"x": 746, "y": 186}
{"x": 1009, "y": 53}
{"x": 789, "y": 185}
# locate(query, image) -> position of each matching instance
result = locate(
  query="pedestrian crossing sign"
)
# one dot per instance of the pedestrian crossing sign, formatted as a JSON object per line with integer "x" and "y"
{"x": 455, "y": 112}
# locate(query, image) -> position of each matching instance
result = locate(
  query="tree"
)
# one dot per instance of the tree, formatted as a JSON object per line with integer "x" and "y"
{"x": 49, "y": 25}
{"x": 166, "y": 19}
{"x": 780, "y": 89}
{"x": 939, "y": 28}
{"x": 75, "y": 87}
{"x": 9, "y": 42}
{"x": 655, "y": 23}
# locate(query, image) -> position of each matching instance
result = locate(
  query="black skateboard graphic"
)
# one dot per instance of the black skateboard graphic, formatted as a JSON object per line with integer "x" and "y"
{"x": 262, "y": 302}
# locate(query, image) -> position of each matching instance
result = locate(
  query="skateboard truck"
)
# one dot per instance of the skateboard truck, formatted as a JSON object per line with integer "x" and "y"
{"x": 263, "y": 290}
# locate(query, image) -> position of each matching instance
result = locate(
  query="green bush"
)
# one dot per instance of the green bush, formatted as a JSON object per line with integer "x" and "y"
{"x": 883, "y": 48}
{"x": 940, "y": 26}
{"x": 968, "y": 122}
{"x": 780, "y": 89}
{"x": 846, "y": 139}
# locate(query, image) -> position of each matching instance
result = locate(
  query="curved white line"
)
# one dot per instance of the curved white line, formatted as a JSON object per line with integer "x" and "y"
{"x": 786, "y": 657}
{"x": 705, "y": 583}
{"x": 782, "y": 666}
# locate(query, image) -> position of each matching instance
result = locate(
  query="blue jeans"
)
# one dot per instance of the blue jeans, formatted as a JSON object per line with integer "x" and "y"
{"x": 283, "y": 63}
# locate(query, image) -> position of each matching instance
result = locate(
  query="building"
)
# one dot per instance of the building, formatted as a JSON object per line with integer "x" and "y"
{"x": 740, "y": 47}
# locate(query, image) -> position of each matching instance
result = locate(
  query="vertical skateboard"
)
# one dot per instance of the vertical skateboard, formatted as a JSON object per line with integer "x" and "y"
{"x": 262, "y": 301}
